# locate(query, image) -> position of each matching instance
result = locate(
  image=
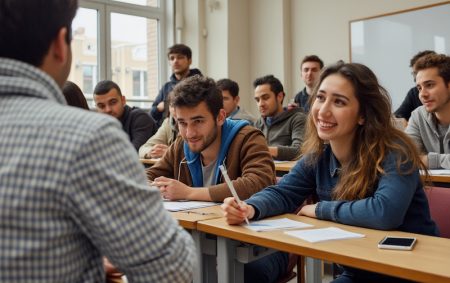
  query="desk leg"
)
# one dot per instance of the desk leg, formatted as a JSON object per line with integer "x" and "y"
{"x": 313, "y": 270}
{"x": 198, "y": 272}
{"x": 206, "y": 270}
{"x": 229, "y": 270}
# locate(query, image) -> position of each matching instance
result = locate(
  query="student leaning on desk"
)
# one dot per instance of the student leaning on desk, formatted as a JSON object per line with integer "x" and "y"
{"x": 366, "y": 174}
{"x": 190, "y": 167}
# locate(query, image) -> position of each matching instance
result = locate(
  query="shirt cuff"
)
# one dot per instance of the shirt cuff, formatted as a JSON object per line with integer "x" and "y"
{"x": 433, "y": 160}
{"x": 326, "y": 210}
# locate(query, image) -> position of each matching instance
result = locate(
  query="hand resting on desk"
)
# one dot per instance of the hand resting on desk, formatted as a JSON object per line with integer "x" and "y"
{"x": 308, "y": 210}
{"x": 172, "y": 189}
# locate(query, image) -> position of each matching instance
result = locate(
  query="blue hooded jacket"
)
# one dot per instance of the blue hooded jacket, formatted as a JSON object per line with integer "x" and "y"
{"x": 229, "y": 130}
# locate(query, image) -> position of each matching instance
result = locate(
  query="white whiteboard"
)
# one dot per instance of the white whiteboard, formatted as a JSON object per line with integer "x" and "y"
{"x": 387, "y": 43}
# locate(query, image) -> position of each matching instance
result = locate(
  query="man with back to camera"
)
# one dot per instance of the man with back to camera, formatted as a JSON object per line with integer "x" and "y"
{"x": 412, "y": 100}
{"x": 283, "y": 129}
{"x": 71, "y": 189}
{"x": 190, "y": 167}
{"x": 310, "y": 68}
{"x": 429, "y": 123}
{"x": 180, "y": 59}
{"x": 230, "y": 93}
{"x": 135, "y": 122}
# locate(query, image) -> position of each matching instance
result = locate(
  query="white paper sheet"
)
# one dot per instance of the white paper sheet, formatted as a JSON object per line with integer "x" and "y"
{"x": 281, "y": 161}
{"x": 324, "y": 234}
{"x": 186, "y": 205}
{"x": 436, "y": 172}
{"x": 282, "y": 223}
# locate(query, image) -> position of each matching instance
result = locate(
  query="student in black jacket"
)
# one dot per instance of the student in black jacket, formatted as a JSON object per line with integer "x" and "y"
{"x": 135, "y": 122}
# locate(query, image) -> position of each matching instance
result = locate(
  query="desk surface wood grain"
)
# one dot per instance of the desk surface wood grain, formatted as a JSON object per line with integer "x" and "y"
{"x": 429, "y": 261}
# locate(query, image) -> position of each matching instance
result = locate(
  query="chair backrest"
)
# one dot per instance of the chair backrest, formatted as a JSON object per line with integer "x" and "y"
{"x": 439, "y": 201}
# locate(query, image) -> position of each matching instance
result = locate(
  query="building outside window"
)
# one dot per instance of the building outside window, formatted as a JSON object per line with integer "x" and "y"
{"x": 121, "y": 41}
{"x": 140, "y": 83}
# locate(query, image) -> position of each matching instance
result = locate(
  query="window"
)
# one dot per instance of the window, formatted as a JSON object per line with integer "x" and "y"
{"x": 120, "y": 41}
{"x": 140, "y": 83}
{"x": 141, "y": 2}
{"x": 133, "y": 50}
{"x": 84, "y": 50}
{"x": 89, "y": 79}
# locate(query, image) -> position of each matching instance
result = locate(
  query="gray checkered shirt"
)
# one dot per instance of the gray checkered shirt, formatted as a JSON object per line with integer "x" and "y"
{"x": 72, "y": 190}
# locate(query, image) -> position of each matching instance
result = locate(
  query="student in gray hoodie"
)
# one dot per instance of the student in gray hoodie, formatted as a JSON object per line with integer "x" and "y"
{"x": 429, "y": 124}
{"x": 283, "y": 129}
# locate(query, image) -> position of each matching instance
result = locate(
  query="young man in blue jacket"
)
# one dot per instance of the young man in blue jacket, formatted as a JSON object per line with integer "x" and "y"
{"x": 190, "y": 167}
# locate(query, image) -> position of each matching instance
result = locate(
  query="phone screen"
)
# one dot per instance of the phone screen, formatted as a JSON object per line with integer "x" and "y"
{"x": 405, "y": 242}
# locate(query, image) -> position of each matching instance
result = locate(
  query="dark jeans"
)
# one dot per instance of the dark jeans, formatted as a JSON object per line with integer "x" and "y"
{"x": 267, "y": 269}
{"x": 352, "y": 275}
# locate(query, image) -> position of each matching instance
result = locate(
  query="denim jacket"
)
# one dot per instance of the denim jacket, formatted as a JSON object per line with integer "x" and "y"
{"x": 398, "y": 202}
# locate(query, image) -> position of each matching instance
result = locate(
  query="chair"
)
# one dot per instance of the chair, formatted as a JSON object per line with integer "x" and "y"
{"x": 439, "y": 201}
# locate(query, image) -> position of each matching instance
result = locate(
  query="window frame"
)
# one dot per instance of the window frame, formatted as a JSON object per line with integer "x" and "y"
{"x": 164, "y": 16}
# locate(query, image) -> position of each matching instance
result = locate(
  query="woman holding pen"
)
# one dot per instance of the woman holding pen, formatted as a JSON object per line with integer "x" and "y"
{"x": 364, "y": 171}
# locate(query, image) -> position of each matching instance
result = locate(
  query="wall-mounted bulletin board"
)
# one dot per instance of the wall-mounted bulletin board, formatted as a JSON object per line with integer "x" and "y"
{"x": 386, "y": 43}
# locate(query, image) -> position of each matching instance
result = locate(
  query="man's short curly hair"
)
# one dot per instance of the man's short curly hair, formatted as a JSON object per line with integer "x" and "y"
{"x": 439, "y": 61}
{"x": 191, "y": 91}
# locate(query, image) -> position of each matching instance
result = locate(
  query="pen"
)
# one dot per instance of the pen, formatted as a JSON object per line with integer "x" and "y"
{"x": 199, "y": 213}
{"x": 231, "y": 187}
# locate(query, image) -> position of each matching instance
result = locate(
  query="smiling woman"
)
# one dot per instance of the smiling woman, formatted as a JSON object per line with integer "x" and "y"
{"x": 362, "y": 169}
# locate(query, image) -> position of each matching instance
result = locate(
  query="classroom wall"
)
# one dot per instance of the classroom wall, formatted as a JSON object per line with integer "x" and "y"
{"x": 327, "y": 33}
{"x": 244, "y": 39}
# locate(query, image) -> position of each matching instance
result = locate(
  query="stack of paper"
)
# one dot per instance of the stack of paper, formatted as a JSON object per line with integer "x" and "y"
{"x": 186, "y": 205}
{"x": 282, "y": 223}
{"x": 324, "y": 234}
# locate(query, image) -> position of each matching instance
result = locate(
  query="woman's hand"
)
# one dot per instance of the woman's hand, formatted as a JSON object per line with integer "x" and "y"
{"x": 308, "y": 210}
{"x": 234, "y": 213}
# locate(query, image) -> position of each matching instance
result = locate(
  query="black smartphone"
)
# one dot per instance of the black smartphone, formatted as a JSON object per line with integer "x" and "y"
{"x": 397, "y": 243}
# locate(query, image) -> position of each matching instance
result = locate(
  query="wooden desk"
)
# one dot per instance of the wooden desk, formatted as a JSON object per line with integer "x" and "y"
{"x": 440, "y": 179}
{"x": 284, "y": 166}
{"x": 188, "y": 219}
{"x": 428, "y": 262}
{"x": 205, "y": 248}
{"x": 149, "y": 161}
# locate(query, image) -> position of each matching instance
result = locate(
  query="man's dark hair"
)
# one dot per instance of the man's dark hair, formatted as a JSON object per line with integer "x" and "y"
{"x": 275, "y": 84}
{"x": 191, "y": 91}
{"x": 28, "y": 27}
{"x": 231, "y": 86}
{"x": 103, "y": 87}
{"x": 439, "y": 61}
{"x": 418, "y": 56}
{"x": 312, "y": 58}
{"x": 180, "y": 49}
